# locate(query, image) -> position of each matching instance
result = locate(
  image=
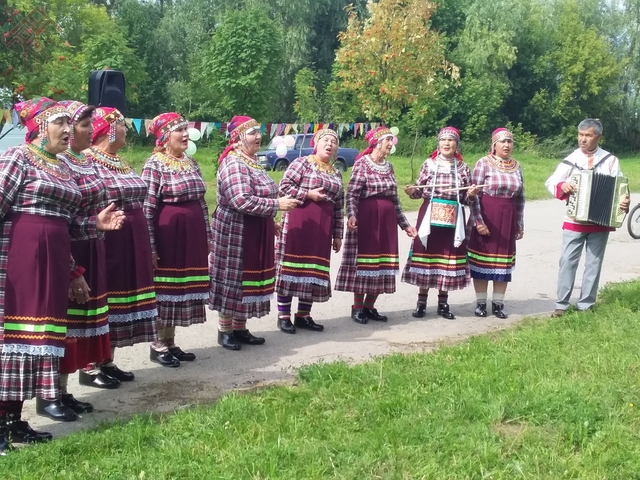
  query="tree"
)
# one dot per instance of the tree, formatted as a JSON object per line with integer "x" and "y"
{"x": 308, "y": 104}
{"x": 389, "y": 61}
{"x": 235, "y": 75}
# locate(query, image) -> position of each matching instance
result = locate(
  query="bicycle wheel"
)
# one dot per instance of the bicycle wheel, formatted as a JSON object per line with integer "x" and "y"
{"x": 633, "y": 222}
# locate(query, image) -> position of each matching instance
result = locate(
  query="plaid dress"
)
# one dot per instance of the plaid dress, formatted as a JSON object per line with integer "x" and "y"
{"x": 88, "y": 331}
{"x": 372, "y": 270}
{"x": 303, "y": 249}
{"x": 246, "y": 195}
{"x": 131, "y": 291}
{"x": 178, "y": 220}
{"x": 440, "y": 265}
{"x": 36, "y": 208}
{"x": 500, "y": 206}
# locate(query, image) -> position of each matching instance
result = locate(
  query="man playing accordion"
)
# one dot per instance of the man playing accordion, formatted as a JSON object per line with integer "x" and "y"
{"x": 578, "y": 234}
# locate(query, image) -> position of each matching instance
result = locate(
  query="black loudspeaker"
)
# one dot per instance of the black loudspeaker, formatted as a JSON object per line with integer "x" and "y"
{"x": 106, "y": 89}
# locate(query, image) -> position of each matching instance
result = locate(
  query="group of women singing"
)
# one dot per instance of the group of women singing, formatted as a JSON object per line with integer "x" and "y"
{"x": 94, "y": 256}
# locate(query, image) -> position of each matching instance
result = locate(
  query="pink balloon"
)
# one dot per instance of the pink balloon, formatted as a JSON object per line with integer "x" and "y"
{"x": 394, "y": 140}
{"x": 281, "y": 150}
{"x": 277, "y": 140}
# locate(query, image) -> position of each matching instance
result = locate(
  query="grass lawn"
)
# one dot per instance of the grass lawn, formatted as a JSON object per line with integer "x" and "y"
{"x": 536, "y": 170}
{"x": 548, "y": 399}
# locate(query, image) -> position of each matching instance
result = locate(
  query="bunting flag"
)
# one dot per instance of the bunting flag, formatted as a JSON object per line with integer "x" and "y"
{"x": 223, "y": 129}
{"x": 192, "y": 124}
{"x": 316, "y": 127}
{"x": 203, "y": 128}
{"x": 210, "y": 127}
{"x": 361, "y": 127}
{"x": 356, "y": 129}
{"x": 274, "y": 129}
{"x": 281, "y": 128}
{"x": 366, "y": 128}
{"x": 263, "y": 128}
{"x": 294, "y": 127}
{"x": 340, "y": 129}
{"x": 268, "y": 130}
{"x": 147, "y": 124}
{"x": 137, "y": 123}
{"x": 287, "y": 129}
{"x": 306, "y": 128}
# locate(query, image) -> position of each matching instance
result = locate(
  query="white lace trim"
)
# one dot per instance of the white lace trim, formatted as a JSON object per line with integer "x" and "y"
{"x": 257, "y": 298}
{"x": 130, "y": 317}
{"x": 40, "y": 350}
{"x": 377, "y": 273}
{"x": 444, "y": 273}
{"x": 182, "y": 298}
{"x": 307, "y": 280}
{"x": 80, "y": 169}
{"x": 492, "y": 271}
{"x": 88, "y": 332}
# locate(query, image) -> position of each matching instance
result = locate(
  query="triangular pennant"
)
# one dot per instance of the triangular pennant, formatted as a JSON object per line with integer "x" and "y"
{"x": 274, "y": 129}
{"x": 374, "y": 125}
{"x": 210, "y": 127}
{"x": 196, "y": 125}
{"x": 203, "y": 128}
{"x": 356, "y": 129}
{"x": 366, "y": 128}
{"x": 351, "y": 128}
{"x": 281, "y": 128}
{"x": 361, "y": 127}
{"x": 294, "y": 127}
{"x": 306, "y": 127}
{"x": 192, "y": 125}
{"x": 268, "y": 130}
{"x": 340, "y": 129}
{"x": 263, "y": 128}
{"x": 316, "y": 127}
{"x": 287, "y": 129}
{"x": 137, "y": 122}
{"x": 223, "y": 128}
{"x": 147, "y": 124}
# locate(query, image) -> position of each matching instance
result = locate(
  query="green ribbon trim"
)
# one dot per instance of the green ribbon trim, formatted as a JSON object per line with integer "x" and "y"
{"x": 35, "y": 328}
{"x": 258, "y": 283}
{"x": 438, "y": 260}
{"x": 492, "y": 259}
{"x": 197, "y": 278}
{"x": 133, "y": 298}
{"x": 306, "y": 266}
{"x": 379, "y": 260}
{"x": 88, "y": 313}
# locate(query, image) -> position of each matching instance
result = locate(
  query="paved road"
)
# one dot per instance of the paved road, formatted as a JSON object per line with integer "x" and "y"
{"x": 216, "y": 370}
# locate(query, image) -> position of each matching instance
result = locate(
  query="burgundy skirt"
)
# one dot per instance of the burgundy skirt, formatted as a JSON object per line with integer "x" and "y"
{"x": 182, "y": 277}
{"x": 440, "y": 265}
{"x": 130, "y": 286}
{"x": 370, "y": 259}
{"x": 258, "y": 271}
{"x": 35, "y": 309}
{"x": 493, "y": 257}
{"x": 304, "y": 269}
{"x": 88, "y": 332}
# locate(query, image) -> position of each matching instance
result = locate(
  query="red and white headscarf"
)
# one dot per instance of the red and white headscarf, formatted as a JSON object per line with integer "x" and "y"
{"x": 498, "y": 135}
{"x": 374, "y": 137}
{"x": 165, "y": 123}
{"x": 75, "y": 109}
{"x": 448, "y": 132}
{"x": 105, "y": 120}
{"x": 35, "y": 115}
{"x": 238, "y": 128}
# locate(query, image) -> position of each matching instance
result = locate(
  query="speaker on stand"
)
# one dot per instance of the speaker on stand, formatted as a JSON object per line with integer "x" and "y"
{"x": 107, "y": 89}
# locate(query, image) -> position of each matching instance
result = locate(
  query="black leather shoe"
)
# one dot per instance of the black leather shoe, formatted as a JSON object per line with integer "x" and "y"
{"x": 286, "y": 326}
{"x": 358, "y": 315}
{"x": 55, "y": 410}
{"x": 419, "y": 311}
{"x": 98, "y": 380}
{"x": 69, "y": 401}
{"x": 228, "y": 341}
{"x": 307, "y": 323}
{"x": 21, "y": 432}
{"x": 248, "y": 338}
{"x": 498, "y": 310}
{"x": 5, "y": 443}
{"x": 372, "y": 314}
{"x": 481, "y": 309}
{"x": 164, "y": 358}
{"x": 443, "y": 311}
{"x": 114, "y": 372}
{"x": 182, "y": 356}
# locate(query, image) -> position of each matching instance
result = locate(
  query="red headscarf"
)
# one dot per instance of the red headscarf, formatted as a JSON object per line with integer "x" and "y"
{"x": 238, "y": 126}
{"x": 165, "y": 123}
{"x": 36, "y": 113}
{"x": 75, "y": 109}
{"x": 105, "y": 120}
{"x": 448, "y": 132}
{"x": 373, "y": 137}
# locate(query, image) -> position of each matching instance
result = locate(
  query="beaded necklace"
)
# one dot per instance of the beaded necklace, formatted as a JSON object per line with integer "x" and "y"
{"x": 79, "y": 159}
{"x": 505, "y": 166}
{"x": 251, "y": 161}
{"x": 112, "y": 162}
{"x": 40, "y": 158}
{"x": 382, "y": 168}
{"x": 175, "y": 164}
{"x": 321, "y": 166}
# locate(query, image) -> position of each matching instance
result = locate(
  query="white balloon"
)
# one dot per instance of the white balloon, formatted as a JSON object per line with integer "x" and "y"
{"x": 395, "y": 130}
{"x": 393, "y": 150}
{"x": 281, "y": 150}
{"x": 194, "y": 134}
{"x": 277, "y": 140}
{"x": 289, "y": 141}
{"x": 191, "y": 149}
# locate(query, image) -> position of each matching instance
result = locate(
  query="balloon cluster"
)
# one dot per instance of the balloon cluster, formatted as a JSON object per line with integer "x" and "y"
{"x": 283, "y": 144}
{"x": 394, "y": 131}
{"x": 194, "y": 136}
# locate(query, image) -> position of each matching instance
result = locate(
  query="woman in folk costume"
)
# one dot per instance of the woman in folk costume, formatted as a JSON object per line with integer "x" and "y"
{"x": 180, "y": 234}
{"x": 497, "y": 221}
{"x": 442, "y": 263}
{"x": 241, "y": 260}
{"x": 131, "y": 292}
{"x": 370, "y": 260}
{"x": 38, "y": 201}
{"x": 88, "y": 329}
{"x": 309, "y": 232}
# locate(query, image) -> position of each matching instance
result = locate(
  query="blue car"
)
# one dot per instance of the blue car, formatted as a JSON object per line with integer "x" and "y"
{"x": 301, "y": 148}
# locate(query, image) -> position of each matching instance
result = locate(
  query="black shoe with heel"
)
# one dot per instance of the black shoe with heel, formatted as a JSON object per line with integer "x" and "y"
{"x": 228, "y": 341}
{"x": 166, "y": 359}
{"x": 98, "y": 380}
{"x": 444, "y": 312}
{"x": 55, "y": 410}
{"x": 358, "y": 315}
{"x": 498, "y": 310}
{"x": 248, "y": 338}
{"x": 372, "y": 314}
{"x": 420, "y": 310}
{"x": 182, "y": 356}
{"x": 114, "y": 372}
{"x": 481, "y": 309}
{"x": 69, "y": 401}
{"x": 307, "y": 323}
{"x": 285, "y": 325}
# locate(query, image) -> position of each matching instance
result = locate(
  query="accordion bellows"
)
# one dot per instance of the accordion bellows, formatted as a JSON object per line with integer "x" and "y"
{"x": 597, "y": 198}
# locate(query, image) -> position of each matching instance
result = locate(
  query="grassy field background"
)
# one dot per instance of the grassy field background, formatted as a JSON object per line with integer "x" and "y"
{"x": 535, "y": 169}
{"x": 548, "y": 399}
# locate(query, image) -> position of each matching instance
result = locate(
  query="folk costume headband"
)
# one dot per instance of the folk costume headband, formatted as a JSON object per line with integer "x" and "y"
{"x": 165, "y": 123}
{"x": 75, "y": 109}
{"x": 498, "y": 135}
{"x": 105, "y": 121}
{"x": 448, "y": 132}
{"x": 374, "y": 137}
{"x": 323, "y": 132}
{"x": 238, "y": 128}
{"x": 35, "y": 115}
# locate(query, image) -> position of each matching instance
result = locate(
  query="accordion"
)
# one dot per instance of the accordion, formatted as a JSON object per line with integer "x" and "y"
{"x": 597, "y": 198}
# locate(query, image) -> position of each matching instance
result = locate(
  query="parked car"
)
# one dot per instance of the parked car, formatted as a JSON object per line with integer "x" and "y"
{"x": 301, "y": 148}
{"x": 11, "y": 137}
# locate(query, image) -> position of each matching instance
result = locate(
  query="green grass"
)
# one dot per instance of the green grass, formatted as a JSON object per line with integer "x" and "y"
{"x": 536, "y": 170}
{"x": 548, "y": 399}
